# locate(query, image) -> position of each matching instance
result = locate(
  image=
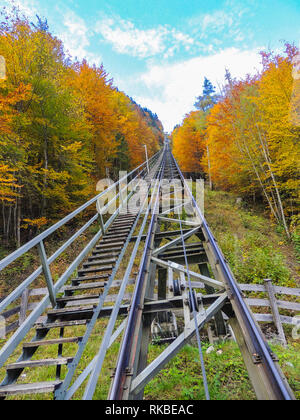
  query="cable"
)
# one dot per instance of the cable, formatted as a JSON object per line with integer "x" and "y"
{"x": 195, "y": 319}
{"x": 273, "y": 375}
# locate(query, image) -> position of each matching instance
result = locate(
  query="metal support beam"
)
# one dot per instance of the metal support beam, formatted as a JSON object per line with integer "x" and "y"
{"x": 175, "y": 208}
{"x": 153, "y": 368}
{"x": 130, "y": 346}
{"x": 175, "y": 241}
{"x": 219, "y": 321}
{"x": 47, "y": 273}
{"x": 162, "y": 283}
{"x": 184, "y": 222}
{"x": 90, "y": 389}
{"x": 179, "y": 268}
{"x": 143, "y": 356}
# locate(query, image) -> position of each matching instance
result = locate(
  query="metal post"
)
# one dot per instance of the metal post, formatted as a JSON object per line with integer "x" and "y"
{"x": 102, "y": 224}
{"x": 145, "y": 335}
{"x": 162, "y": 284}
{"x": 267, "y": 370}
{"x": 47, "y": 272}
{"x": 24, "y": 306}
{"x": 146, "y": 151}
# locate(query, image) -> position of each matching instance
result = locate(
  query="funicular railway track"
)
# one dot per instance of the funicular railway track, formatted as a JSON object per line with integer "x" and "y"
{"x": 163, "y": 288}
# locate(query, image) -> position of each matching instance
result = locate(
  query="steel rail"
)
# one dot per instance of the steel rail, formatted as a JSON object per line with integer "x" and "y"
{"x": 261, "y": 347}
{"x": 35, "y": 241}
{"x": 26, "y": 283}
{"x": 194, "y": 311}
{"x": 128, "y": 337}
{"x": 99, "y": 359}
{"x": 194, "y": 314}
{"x": 61, "y": 391}
{"x": 20, "y": 333}
{"x": 84, "y": 375}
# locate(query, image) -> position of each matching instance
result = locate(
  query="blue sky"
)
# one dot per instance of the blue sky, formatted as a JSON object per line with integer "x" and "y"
{"x": 159, "y": 51}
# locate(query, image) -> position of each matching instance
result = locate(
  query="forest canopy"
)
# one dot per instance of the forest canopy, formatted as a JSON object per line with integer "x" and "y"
{"x": 62, "y": 123}
{"x": 246, "y": 139}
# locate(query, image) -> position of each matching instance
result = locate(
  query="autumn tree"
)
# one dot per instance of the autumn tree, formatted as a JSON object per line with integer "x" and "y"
{"x": 62, "y": 124}
{"x": 252, "y": 138}
{"x": 188, "y": 142}
{"x": 205, "y": 103}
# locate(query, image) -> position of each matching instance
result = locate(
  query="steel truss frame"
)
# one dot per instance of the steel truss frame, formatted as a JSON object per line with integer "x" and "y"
{"x": 133, "y": 373}
{"x": 157, "y": 265}
{"x": 132, "y": 180}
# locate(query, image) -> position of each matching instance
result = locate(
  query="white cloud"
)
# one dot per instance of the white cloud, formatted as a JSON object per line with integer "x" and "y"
{"x": 74, "y": 32}
{"x": 216, "y": 22}
{"x": 173, "y": 88}
{"x": 223, "y": 25}
{"x": 127, "y": 39}
{"x": 76, "y": 37}
{"x": 28, "y": 7}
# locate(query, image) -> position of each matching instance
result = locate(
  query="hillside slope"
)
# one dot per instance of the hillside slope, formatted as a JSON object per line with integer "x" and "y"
{"x": 255, "y": 247}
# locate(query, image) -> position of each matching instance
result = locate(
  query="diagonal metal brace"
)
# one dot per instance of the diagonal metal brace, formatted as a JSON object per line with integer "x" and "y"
{"x": 176, "y": 241}
{"x": 184, "y": 222}
{"x": 181, "y": 269}
{"x": 47, "y": 272}
{"x": 153, "y": 368}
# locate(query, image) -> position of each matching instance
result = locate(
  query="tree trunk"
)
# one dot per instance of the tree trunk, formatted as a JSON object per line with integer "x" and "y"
{"x": 3, "y": 218}
{"x": 209, "y": 168}
{"x": 259, "y": 180}
{"x": 45, "y": 176}
{"x": 19, "y": 225}
{"x": 15, "y": 220}
{"x": 268, "y": 161}
{"x": 8, "y": 225}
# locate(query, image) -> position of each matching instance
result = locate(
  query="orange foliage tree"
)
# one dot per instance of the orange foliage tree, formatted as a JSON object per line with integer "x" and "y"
{"x": 62, "y": 124}
{"x": 251, "y": 137}
{"x": 188, "y": 142}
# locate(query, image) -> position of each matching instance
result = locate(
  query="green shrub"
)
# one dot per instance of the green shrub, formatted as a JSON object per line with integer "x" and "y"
{"x": 251, "y": 262}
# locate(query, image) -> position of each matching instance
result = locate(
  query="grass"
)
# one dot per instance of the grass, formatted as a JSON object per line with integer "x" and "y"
{"x": 253, "y": 246}
{"x": 42, "y": 375}
{"x": 227, "y": 376}
{"x": 181, "y": 379}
